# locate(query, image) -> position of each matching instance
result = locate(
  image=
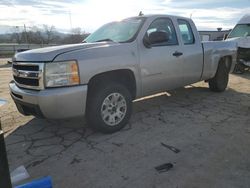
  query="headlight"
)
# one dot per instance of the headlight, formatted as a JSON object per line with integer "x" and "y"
{"x": 59, "y": 74}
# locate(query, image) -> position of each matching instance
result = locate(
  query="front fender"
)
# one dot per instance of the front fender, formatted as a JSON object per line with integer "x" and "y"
{"x": 115, "y": 56}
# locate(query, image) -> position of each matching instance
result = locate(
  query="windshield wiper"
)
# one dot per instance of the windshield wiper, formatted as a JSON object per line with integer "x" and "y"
{"x": 103, "y": 40}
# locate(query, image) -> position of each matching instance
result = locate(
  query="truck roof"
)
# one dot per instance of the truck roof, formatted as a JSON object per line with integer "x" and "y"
{"x": 163, "y": 15}
{"x": 245, "y": 19}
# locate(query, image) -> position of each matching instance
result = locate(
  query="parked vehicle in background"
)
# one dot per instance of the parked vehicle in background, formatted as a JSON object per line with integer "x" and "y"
{"x": 213, "y": 35}
{"x": 241, "y": 35}
{"x": 118, "y": 63}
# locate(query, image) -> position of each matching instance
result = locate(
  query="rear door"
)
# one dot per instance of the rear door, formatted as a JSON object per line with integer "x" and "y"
{"x": 192, "y": 58}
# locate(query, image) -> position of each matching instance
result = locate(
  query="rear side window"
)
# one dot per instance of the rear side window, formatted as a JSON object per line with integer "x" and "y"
{"x": 186, "y": 32}
{"x": 164, "y": 25}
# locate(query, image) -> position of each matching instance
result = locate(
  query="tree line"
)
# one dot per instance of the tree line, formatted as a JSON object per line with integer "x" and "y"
{"x": 45, "y": 35}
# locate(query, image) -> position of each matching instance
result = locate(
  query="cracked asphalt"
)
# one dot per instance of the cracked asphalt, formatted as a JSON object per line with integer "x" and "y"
{"x": 210, "y": 130}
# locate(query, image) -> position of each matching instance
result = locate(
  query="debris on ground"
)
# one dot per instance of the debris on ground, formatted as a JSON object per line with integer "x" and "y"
{"x": 172, "y": 148}
{"x": 164, "y": 167}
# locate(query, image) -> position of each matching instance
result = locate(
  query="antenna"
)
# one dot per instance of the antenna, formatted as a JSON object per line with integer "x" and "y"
{"x": 191, "y": 14}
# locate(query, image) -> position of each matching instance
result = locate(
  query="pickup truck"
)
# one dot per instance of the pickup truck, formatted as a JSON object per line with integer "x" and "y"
{"x": 118, "y": 63}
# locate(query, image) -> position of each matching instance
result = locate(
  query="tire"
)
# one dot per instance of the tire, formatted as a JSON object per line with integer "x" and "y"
{"x": 109, "y": 107}
{"x": 219, "y": 82}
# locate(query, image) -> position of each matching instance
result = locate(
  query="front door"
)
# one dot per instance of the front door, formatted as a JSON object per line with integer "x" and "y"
{"x": 161, "y": 63}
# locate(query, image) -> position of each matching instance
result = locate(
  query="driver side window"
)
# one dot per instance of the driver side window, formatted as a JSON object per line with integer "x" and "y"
{"x": 164, "y": 25}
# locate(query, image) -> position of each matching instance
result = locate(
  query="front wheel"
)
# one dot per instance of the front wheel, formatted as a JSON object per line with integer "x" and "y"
{"x": 109, "y": 107}
{"x": 219, "y": 82}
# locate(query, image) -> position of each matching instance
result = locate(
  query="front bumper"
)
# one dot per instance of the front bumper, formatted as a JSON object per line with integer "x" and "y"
{"x": 53, "y": 103}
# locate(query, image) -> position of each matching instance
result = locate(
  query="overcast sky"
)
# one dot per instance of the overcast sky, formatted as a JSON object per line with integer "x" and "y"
{"x": 90, "y": 14}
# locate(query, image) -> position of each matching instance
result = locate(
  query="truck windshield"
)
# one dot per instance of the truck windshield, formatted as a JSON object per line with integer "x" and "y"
{"x": 240, "y": 30}
{"x": 122, "y": 31}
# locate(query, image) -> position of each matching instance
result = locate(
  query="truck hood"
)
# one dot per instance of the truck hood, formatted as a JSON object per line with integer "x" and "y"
{"x": 48, "y": 54}
{"x": 243, "y": 42}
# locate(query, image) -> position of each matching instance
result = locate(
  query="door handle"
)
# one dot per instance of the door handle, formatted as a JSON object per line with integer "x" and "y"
{"x": 177, "y": 54}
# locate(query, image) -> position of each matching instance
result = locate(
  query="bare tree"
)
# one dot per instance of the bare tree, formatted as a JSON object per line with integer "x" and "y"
{"x": 49, "y": 31}
{"x": 37, "y": 36}
{"x": 76, "y": 31}
{"x": 16, "y": 36}
{"x": 76, "y": 36}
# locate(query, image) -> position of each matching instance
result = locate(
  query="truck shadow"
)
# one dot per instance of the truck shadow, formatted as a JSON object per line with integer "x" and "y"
{"x": 39, "y": 140}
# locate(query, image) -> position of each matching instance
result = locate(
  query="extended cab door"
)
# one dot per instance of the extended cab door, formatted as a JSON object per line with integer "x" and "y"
{"x": 161, "y": 62}
{"x": 192, "y": 58}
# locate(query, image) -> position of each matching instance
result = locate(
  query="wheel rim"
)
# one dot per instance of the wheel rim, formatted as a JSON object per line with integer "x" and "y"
{"x": 114, "y": 108}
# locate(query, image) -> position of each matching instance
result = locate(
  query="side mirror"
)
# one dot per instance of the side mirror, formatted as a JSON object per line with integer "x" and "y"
{"x": 155, "y": 38}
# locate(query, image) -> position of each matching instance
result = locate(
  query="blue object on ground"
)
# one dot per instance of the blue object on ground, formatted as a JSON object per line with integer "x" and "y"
{"x": 40, "y": 183}
{"x": 2, "y": 102}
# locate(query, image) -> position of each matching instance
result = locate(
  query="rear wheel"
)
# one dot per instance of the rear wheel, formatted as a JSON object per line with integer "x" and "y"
{"x": 109, "y": 107}
{"x": 219, "y": 82}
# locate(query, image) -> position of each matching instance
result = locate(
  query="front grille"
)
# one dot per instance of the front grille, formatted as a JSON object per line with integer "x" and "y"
{"x": 26, "y": 81}
{"x": 28, "y": 75}
{"x": 26, "y": 67}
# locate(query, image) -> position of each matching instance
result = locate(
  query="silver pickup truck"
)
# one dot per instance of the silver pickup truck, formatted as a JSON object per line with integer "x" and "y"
{"x": 118, "y": 63}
